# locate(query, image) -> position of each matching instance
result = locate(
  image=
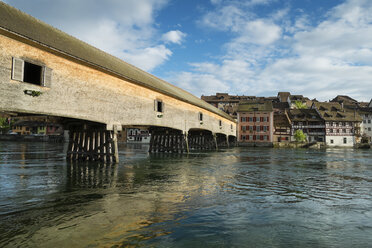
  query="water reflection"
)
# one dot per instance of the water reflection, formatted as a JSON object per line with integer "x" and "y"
{"x": 91, "y": 175}
{"x": 251, "y": 197}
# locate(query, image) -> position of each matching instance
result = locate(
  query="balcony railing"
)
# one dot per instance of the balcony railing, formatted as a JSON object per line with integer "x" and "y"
{"x": 316, "y": 133}
{"x": 308, "y": 126}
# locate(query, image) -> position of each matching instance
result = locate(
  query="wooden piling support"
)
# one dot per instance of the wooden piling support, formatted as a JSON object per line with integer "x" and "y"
{"x": 93, "y": 144}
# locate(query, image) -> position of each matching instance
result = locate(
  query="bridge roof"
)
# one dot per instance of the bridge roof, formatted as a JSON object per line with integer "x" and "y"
{"x": 24, "y": 25}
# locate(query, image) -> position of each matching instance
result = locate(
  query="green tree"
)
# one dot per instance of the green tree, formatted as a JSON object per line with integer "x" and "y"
{"x": 299, "y": 105}
{"x": 299, "y": 136}
{"x": 4, "y": 125}
{"x": 3, "y": 122}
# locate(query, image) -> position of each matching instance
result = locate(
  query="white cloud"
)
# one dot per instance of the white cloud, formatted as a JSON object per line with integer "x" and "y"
{"x": 148, "y": 58}
{"x": 244, "y": 3}
{"x": 260, "y": 32}
{"x": 125, "y": 29}
{"x": 174, "y": 36}
{"x": 323, "y": 60}
{"x": 206, "y": 83}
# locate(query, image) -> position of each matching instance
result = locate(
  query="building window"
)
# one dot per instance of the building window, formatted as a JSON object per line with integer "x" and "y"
{"x": 331, "y": 130}
{"x": 250, "y": 119}
{"x": 369, "y": 121}
{"x": 258, "y": 128}
{"x": 244, "y": 119}
{"x": 243, "y": 137}
{"x": 159, "y": 106}
{"x": 32, "y": 73}
{"x": 243, "y": 128}
{"x": 344, "y": 130}
{"x": 265, "y": 137}
{"x": 258, "y": 119}
{"x": 265, "y": 128}
{"x": 28, "y": 72}
{"x": 365, "y": 121}
{"x": 369, "y": 129}
{"x": 251, "y": 128}
{"x": 250, "y": 137}
{"x": 200, "y": 116}
{"x": 345, "y": 140}
{"x": 331, "y": 141}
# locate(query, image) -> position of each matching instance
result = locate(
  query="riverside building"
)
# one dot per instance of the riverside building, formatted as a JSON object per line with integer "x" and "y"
{"x": 342, "y": 126}
{"x": 255, "y": 123}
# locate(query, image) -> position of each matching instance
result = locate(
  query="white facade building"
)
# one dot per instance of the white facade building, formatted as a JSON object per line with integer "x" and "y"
{"x": 342, "y": 126}
{"x": 366, "y": 126}
{"x": 345, "y": 141}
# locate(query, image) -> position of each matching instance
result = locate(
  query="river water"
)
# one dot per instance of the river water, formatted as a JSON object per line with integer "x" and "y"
{"x": 240, "y": 197}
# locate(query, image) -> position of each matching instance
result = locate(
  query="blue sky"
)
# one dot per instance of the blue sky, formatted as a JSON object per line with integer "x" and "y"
{"x": 316, "y": 48}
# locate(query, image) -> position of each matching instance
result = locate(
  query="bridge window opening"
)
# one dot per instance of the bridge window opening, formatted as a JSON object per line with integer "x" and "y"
{"x": 220, "y": 123}
{"x": 159, "y": 106}
{"x": 200, "y": 116}
{"x": 32, "y": 73}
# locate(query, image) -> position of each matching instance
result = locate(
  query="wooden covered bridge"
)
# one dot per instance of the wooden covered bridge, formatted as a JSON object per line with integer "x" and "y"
{"x": 46, "y": 71}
